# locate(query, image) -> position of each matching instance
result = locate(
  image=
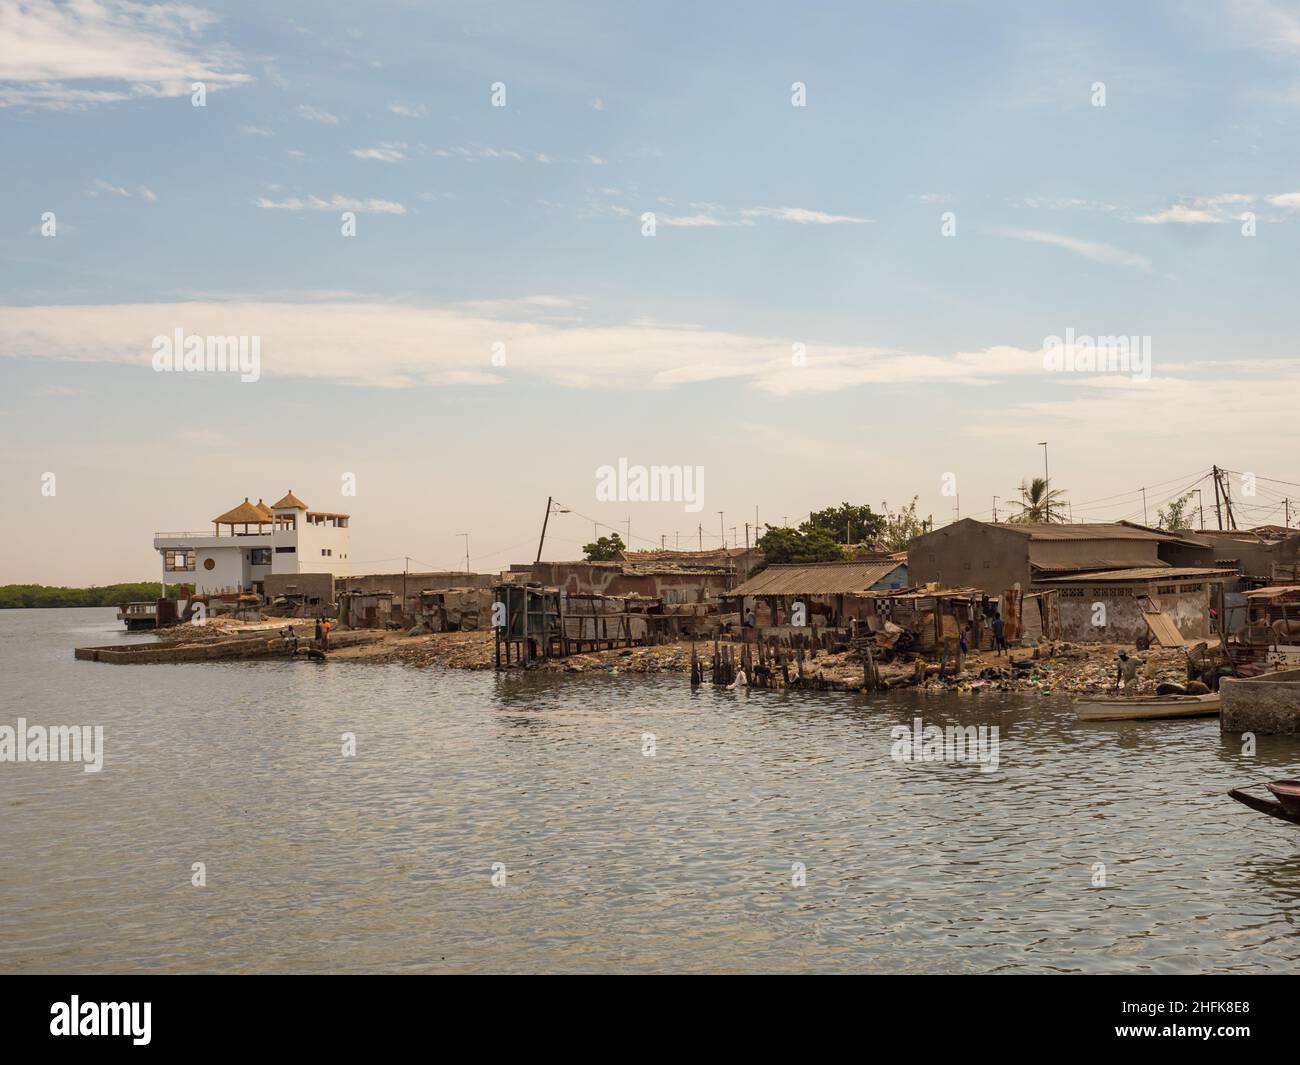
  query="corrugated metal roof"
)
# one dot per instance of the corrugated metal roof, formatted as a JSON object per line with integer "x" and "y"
{"x": 1082, "y": 531}
{"x": 1089, "y": 566}
{"x": 1142, "y": 573}
{"x": 816, "y": 578}
{"x": 1277, "y": 591}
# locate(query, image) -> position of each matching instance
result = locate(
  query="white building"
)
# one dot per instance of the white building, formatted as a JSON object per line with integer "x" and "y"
{"x": 259, "y": 540}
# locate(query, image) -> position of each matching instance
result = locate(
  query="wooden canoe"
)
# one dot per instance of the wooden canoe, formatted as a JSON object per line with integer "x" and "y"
{"x": 1265, "y": 806}
{"x": 1146, "y": 707}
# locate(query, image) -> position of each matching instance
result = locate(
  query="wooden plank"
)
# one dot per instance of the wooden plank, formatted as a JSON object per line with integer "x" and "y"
{"x": 1163, "y": 629}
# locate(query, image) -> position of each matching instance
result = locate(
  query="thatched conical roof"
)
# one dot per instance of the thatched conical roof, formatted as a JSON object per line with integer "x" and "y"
{"x": 245, "y": 514}
{"x": 289, "y": 502}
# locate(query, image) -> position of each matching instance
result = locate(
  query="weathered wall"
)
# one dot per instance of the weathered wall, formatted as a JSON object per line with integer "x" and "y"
{"x": 1082, "y": 552}
{"x": 970, "y": 554}
{"x": 313, "y": 585}
{"x": 1122, "y": 615}
{"x": 1189, "y": 611}
{"x": 611, "y": 578}
{"x": 1269, "y": 704}
{"x": 415, "y": 582}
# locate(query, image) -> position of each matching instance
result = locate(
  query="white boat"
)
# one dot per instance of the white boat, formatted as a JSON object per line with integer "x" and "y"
{"x": 1146, "y": 707}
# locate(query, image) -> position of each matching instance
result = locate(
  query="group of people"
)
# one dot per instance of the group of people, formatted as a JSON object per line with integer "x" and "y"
{"x": 322, "y": 640}
{"x": 984, "y": 613}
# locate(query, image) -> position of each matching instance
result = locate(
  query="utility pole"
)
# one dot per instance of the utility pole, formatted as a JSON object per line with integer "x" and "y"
{"x": 957, "y": 508}
{"x": 662, "y": 538}
{"x": 1144, "y": 506}
{"x": 701, "y": 532}
{"x": 1047, "y": 483}
{"x": 546, "y": 519}
{"x": 747, "y": 530}
{"x": 677, "y": 541}
{"x": 551, "y": 505}
{"x": 1200, "y": 507}
{"x": 629, "y": 532}
{"x": 722, "y": 531}
{"x": 995, "y": 510}
{"x": 1218, "y": 508}
{"x": 1287, "y": 520}
{"x": 405, "y": 570}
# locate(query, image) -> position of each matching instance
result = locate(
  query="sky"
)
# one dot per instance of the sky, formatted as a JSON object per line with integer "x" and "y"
{"x": 487, "y": 249}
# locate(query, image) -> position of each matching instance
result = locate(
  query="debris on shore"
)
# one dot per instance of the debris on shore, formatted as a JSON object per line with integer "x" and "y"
{"x": 1048, "y": 668}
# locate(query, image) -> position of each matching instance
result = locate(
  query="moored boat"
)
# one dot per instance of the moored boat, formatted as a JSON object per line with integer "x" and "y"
{"x": 136, "y": 616}
{"x": 1287, "y": 792}
{"x": 1146, "y": 707}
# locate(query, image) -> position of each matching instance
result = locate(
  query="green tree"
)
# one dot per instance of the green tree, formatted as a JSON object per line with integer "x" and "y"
{"x": 606, "y": 549}
{"x": 859, "y": 523}
{"x": 783, "y": 545}
{"x": 1038, "y": 504}
{"x": 901, "y": 527}
{"x": 29, "y": 596}
{"x": 1179, "y": 514}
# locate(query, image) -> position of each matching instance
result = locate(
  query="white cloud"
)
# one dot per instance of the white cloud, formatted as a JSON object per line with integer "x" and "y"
{"x": 100, "y": 185}
{"x": 392, "y": 344}
{"x": 802, "y": 215}
{"x": 408, "y": 110}
{"x": 256, "y": 131}
{"x": 387, "y": 152}
{"x": 1181, "y": 215}
{"x": 334, "y": 203}
{"x": 383, "y": 345}
{"x": 72, "y": 56}
{"x": 1089, "y": 249}
{"x": 316, "y": 114}
{"x": 716, "y": 215}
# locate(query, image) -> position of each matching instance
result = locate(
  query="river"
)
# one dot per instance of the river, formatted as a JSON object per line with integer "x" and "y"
{"x": 630, "y": 825}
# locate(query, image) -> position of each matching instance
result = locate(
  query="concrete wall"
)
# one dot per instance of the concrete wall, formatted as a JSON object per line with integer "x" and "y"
{"x": 415, "y": 584}
{"x": 1189, "y": 611}
{"x": 1133, "y": 553}
{"x": 229, "y": 570}
{"x": 313, "y": 585}
{"x": 1253, "y": 558}
{"x": 610, "y": 578}
{"x": 971, "y": 554}
{"x": 1269, "y": 705}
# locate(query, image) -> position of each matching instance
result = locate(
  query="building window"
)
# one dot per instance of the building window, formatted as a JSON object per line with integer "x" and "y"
{"x": 326, "y": 551}
{"x": 286, "y": 550}
{"x": 178, "y": 561}
{"x": 260, "y": 556}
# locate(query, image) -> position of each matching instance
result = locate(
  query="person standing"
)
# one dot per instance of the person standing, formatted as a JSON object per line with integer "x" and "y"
{"x": 999, "y": 634}
{"x": 325, "y": 630}
{"x": 320, "y": 634}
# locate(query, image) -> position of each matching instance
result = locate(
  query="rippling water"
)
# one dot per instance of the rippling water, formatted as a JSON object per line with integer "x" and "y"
{"x": 613, "y": 860}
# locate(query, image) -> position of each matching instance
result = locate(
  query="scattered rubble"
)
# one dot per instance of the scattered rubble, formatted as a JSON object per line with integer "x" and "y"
{"x": 1048, "y": 668}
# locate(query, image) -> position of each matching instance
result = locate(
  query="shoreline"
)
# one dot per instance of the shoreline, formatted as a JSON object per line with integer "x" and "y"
{"x": 1060, "y": 668}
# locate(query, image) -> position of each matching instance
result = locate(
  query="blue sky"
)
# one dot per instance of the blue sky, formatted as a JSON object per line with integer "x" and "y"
{"x": 521, "y": 225}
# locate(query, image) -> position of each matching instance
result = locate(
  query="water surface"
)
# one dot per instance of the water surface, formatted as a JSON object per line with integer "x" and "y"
{"x": 614, "y": 861}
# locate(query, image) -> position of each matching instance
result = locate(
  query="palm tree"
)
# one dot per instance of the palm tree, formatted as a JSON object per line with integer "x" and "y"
{"x": 1038, "y": 503}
